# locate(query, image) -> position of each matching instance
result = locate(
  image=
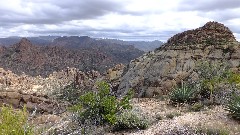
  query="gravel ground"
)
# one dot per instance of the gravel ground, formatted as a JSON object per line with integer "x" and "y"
{"x": 186, "y": 123}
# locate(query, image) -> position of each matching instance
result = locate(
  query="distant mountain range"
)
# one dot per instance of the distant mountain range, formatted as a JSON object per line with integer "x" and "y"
{"x": 141, "y": 45}
{"x": 83, "y": 53}
{"x": 47, "y": 40}
{"x": 41, "y": 40}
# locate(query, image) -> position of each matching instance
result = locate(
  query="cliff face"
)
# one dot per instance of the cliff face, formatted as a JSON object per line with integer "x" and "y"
{"x": 158, "y": 71}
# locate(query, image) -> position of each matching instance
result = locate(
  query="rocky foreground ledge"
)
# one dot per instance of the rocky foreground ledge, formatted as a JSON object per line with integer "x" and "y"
{"x": 39, "y": 93}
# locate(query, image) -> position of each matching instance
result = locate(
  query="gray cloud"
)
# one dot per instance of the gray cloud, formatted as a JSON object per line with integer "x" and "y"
{"x": 208, "y": 5}
{"x": 55, "y": 11}
{"x": 221, "y": 15}
{"x": 223, "y": 11}
{"x": 113, "y": 18}
{"x": 218, "y": 10}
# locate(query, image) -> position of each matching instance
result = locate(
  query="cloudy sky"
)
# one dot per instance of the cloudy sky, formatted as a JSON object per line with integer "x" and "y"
{"x": 123, "y": 19}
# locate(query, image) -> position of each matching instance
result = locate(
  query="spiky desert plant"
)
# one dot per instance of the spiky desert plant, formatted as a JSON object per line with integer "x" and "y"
{"x": 182, "y": 94}
{"x": 233, "y": 107}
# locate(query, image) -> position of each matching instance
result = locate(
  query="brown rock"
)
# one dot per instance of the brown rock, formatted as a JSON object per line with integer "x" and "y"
{"x": 14, "y": 102}
{"x": 211, "y": 33}
{"x": 49, "y": 118}
{"x": 26, "y": 98}
{"x": 13, "y": 95}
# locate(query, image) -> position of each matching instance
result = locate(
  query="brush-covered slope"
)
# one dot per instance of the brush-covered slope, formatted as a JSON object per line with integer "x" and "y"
{"x": 43, "y": 60}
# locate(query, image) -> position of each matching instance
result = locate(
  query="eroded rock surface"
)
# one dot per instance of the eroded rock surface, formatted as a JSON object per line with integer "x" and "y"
{"x": 157, "y": 72}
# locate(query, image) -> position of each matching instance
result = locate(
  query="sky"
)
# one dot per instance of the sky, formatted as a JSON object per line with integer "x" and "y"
{"x": 121, "y": 19}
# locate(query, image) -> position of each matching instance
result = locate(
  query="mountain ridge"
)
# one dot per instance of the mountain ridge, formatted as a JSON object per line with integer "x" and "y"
{"x": 42, "y": 60}
{"x": 157, "y": 72}
{"x": 48, "y": 40}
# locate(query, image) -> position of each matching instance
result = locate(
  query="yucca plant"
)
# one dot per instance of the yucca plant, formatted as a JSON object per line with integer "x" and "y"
{"x": 182, "y": 94}
{"x": 233, "y": 107}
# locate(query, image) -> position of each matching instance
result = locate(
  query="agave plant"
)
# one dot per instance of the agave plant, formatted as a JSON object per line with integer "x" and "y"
{"x": 182, "y": 94}
{"x": 233, "y": 107}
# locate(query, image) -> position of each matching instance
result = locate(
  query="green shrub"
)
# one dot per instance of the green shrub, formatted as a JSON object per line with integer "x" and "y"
{"x": 233, "y": 107}
{"x": 234, "y": 79}
{"x": 172, "y": 115}
{"x": 159, "y": 116}
{"x": 183, "y": 94}
{"x": 69, "y": 93}
{"x": 130, "y": 120}
{"x": 212, "y": 131}
{"x": 13, "y": 122}
{"x": 210, "y": 76}
{"x": 215, "y": 81}
{"x": 196, "y": 107}
{"x": 101, "y": 107}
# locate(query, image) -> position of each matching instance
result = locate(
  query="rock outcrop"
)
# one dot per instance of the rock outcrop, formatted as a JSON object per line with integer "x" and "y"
{"x": 156, "y": 72}
{"x": 41, "y": 94}
{"x": 38, "y": 93}
{"x": 212, "y": 33}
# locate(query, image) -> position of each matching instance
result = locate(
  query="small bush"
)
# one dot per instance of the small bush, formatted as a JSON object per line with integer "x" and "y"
{"x": 215, "y": 81}
{"x": 14, "y": 122}
{"x": 172, "y": 115}
{"x": 196, "y": 107}
{"x": 212, "y": 131}
{"x": 101, "y": 107}
{"x": 183, "y": 94}
{"x": 159, "y": 117}
{"x": 129, "y": 120}
{"x": 233, "y": 107}
{"x": 69, "y": 93}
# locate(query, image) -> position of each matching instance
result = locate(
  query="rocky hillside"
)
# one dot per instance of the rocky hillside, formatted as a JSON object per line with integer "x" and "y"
{"x": 43, "y": 60}
{"x": 41, "y": 92}
{"x": 156, "y": 72}
{"x": 141, "y": 45}
{"x": 119, "y": 53}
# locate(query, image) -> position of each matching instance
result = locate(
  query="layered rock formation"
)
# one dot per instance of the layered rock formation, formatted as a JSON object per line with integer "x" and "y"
{"x": 158, "y": 71}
